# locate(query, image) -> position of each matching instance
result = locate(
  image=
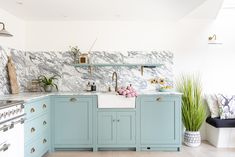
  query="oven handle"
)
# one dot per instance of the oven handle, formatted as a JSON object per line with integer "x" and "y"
{"x": 23, "y": 115}
{"x": 21, "y": 121}
{"x": 4, "y": 128}
{"x": 4, "y": 147}
{"x": 10, "y": 126}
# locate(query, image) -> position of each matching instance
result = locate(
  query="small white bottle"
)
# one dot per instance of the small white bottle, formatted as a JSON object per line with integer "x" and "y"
{"x": 88, "y": 87}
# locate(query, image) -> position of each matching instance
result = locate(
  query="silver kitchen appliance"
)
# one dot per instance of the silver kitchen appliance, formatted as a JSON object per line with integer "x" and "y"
{"x": 12, "y": 119}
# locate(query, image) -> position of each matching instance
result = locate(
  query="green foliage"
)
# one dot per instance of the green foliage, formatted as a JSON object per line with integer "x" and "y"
{"x": 48, "y": 81}
{"x": 193, "y": 108}
{"x": 75, "y": 50}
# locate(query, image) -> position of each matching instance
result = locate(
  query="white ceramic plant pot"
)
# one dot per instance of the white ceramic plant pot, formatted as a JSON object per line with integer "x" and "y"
{"x": 192, "y": 138}
{"x": 48, "y": 88}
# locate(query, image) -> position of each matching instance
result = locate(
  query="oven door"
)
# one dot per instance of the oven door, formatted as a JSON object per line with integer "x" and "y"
{"x": 12, "y": 138}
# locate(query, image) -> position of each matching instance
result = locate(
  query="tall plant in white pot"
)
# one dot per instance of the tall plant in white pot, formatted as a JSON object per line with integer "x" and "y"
{"x": 193, "y": 108}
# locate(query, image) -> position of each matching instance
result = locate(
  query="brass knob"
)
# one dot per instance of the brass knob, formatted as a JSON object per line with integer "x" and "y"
{"x": 44, "y": 141}
{"x": 44, "y": 106}
{"x": 32, "y": 150}
{"x": 32, "y": 110}
{"x": 44, "y": 122}
{"x": 33, "y": 130}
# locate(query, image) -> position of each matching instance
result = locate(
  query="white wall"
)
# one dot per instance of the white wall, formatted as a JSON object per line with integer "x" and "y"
{"x": 186, "y": 38}
{"x": 16, "y": 27}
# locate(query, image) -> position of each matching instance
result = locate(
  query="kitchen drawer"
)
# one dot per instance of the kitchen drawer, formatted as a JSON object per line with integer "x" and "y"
{"x": 157, "y": 98}
{"x": 36, "y": 126}
{"x": 44, "y": 143}
{"x": 38, "y": 147}
{"x": 35, "y": 108}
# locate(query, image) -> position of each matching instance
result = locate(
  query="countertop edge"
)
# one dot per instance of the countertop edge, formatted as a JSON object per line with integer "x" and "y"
{"x": 26, "y": 97}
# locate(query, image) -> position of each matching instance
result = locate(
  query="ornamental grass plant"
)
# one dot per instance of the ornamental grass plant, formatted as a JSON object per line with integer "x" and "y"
{"x": 193, "y": 107}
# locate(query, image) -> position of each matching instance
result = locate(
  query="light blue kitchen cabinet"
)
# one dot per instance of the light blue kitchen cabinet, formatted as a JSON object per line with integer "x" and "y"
{"x": 107, "y": 128}
{"x": 72, "y": 121}
{"x": 116, "y": 128}
{"x": 126, "y": 127}
{"x": 37, "y": 127}
{"x": 160, "y": 122}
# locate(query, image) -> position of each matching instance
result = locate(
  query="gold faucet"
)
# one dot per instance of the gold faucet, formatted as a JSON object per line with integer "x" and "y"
{"x": 116, "y": 84}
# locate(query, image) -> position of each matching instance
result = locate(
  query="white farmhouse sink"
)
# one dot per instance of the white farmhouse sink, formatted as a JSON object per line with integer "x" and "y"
{"x": 113, "y": 100}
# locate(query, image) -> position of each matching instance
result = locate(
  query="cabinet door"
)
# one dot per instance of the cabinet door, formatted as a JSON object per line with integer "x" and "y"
{"x": 160, "y": 120}
{"x": 125, "y": 127}
{"x": 73, "y": 120}
{"x": 106, "y": 128}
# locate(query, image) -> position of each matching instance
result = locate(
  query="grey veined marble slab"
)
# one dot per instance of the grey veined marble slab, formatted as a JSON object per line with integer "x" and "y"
{"x": 29, "y": 65}
{"x": 4, "y": 81}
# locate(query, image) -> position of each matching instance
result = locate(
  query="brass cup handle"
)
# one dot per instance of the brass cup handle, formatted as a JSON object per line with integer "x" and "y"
{"x": 44, "y": 122}
{"x": 32, "y": 150}
{"x": 33, "y": 130}
{"x": 159, "y": 99}
{"x": 32, "y": 110}
{"x": 44, "y": 106}
{"x": 44, "y": 140}
{"x": 73, "y": 99}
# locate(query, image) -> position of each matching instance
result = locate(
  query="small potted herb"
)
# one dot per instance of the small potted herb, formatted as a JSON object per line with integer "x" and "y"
{"x": 48, "y": 82}
{"x": 75, "y": 51}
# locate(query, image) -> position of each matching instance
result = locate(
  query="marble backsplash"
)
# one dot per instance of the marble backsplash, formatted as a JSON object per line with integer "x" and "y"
{"x": 29, "y": 65}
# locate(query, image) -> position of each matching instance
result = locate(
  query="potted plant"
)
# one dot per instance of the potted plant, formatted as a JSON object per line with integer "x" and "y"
{"x": 75, "y": 52}
{"x": 48, "y": 82}
{"x": 193, "y": 108}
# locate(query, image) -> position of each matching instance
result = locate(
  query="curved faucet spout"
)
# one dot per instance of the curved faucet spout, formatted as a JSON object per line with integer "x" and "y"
{"x": 115, "y": 77}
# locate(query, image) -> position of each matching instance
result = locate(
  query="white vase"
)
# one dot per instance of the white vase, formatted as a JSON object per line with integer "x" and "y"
{"x": 48, "y": 88}
{"x": 192, "y": 138}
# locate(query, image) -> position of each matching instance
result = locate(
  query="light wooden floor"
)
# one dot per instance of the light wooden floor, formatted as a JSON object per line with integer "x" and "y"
{"x": 205, "y": 150}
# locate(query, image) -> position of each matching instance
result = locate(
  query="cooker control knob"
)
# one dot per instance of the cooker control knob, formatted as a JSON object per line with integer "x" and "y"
{"x": 9, "y": 113}
{"x": 4, "y": 114}
{"x": 17, "y": 110}
{"x": 1, "y": 115}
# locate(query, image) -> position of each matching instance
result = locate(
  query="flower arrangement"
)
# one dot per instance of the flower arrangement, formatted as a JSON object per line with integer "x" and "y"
{"x": 162, "y": 84}
{"x": 128, "y": 92}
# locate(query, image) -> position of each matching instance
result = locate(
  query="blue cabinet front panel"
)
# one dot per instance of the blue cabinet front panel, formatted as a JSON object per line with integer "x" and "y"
{"x": 73, "y": 121}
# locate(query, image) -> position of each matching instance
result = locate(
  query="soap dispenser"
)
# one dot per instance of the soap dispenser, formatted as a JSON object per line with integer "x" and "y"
{"x": 88, "y": 87}
{"x": 93, "y": 87}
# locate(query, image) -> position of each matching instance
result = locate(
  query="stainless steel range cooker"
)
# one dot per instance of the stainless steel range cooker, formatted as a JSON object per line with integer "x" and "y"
{"x": 12, "y": 119}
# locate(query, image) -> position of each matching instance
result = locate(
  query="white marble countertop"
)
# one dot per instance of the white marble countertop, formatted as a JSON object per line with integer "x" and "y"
{"x": 153, "y": 92}
{"x": 35, "y": 95}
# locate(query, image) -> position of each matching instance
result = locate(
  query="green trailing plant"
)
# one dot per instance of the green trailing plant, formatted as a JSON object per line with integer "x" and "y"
{"x": 193, "y": 107}
{"x": 48, "y": 81}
